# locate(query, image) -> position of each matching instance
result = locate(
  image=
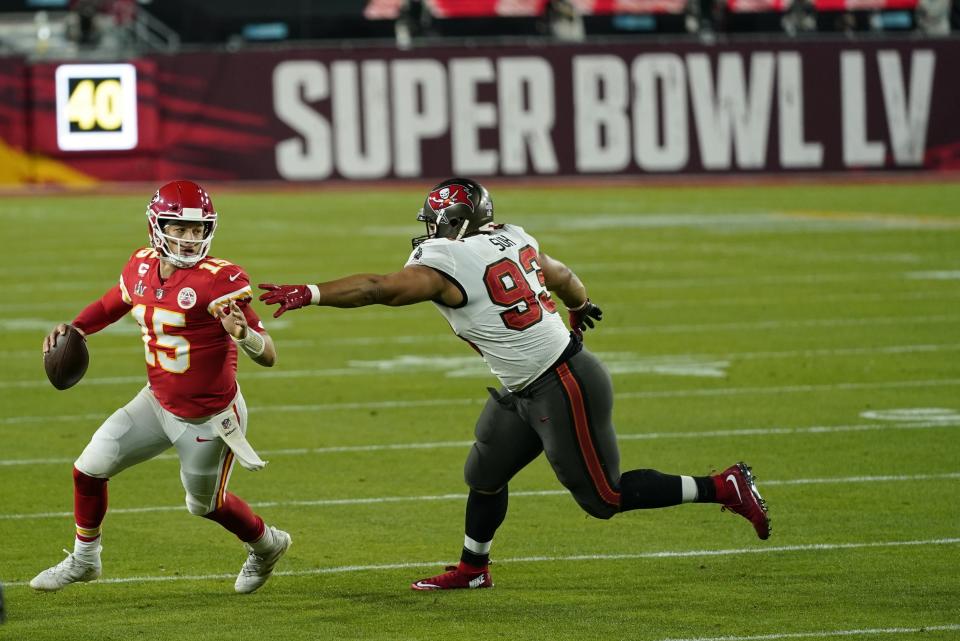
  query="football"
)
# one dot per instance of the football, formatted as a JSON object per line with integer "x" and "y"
{"x": 67, "y": 360}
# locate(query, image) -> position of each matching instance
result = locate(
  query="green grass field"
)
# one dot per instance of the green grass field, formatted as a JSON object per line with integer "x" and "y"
{"x": 811, "y": 330}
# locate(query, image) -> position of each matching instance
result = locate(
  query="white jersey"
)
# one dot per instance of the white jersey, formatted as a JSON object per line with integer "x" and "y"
{"x": 507, "y": 315}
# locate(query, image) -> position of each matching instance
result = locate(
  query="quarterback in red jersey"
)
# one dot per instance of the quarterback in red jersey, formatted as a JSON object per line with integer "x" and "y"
{"x": 194, "y": 313}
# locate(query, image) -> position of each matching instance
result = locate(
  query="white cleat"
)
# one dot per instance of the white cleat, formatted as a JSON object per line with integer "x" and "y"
{"x": 258, "y": 567}
{"x": 70, "y": 570}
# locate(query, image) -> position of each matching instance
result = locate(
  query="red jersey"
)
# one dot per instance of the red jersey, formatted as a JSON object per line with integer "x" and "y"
{"x": 191, "y": 359}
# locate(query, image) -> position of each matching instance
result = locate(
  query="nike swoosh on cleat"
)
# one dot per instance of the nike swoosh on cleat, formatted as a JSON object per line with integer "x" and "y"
{"x": 736, "y": 486}
{"x": 424, "y": 584}
{"x": 203, "y": 440}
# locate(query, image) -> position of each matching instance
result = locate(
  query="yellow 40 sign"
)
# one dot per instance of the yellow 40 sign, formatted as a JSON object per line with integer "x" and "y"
{"x": 96, "y": 107}
{"x": 95, "y": 104}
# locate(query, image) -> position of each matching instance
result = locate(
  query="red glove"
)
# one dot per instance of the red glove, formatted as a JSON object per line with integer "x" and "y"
{"x": 582, "y": 317}
{"x": 287, "y": 296}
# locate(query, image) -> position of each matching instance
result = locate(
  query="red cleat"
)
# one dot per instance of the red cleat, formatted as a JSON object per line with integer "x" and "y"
{"x": 737, "y": 491}
{"x": 456, "y": 577}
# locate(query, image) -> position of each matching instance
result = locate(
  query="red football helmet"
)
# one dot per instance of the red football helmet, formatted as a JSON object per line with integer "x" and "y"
{"x": 181, "y": 200}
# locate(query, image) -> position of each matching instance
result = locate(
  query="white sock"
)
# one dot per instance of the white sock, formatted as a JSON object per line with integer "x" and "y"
{"x": 476, "y": 546}
{"x": 87, "y": 551}
{"x": 265, "y": 543}
{"x": 688, "y": 489}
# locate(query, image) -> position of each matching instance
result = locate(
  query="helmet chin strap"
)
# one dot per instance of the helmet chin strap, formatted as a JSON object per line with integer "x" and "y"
{"x": 463, "y": 229}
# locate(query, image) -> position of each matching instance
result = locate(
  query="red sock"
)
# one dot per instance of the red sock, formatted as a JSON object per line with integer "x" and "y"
{"x": 89, "y": 504}
{"x": 236, "y": 516}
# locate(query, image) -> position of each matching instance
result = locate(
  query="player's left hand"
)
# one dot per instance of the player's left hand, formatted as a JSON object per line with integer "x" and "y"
{"x": 234, "y": 321}
{"x": 287, "y": 296}
{"x": 582, "y": 317}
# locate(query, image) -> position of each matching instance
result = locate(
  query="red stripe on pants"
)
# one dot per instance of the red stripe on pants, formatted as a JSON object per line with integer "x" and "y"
{"x": 224, "y": 473}
{"x": 582, "y": 426}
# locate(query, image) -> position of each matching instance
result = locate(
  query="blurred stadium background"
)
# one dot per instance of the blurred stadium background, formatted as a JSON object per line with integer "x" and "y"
{"x": 762, "y": 195}
{"x": 303, "y": 92}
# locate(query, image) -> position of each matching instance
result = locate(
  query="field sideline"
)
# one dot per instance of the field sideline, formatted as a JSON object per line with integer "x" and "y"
{"x": 809, "y": 329}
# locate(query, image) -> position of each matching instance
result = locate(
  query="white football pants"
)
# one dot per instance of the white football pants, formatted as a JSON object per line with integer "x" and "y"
{"x": 142, "y": 429}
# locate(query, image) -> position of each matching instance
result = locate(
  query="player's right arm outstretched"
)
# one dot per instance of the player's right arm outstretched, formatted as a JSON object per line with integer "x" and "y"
{"x": 412, "y": 284}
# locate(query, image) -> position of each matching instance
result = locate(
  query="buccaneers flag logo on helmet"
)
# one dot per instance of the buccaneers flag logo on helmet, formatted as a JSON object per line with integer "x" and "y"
{"x": 448, "y": 196}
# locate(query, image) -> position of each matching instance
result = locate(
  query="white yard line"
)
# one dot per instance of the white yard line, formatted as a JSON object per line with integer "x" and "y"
{"x": 380, "y": 500}
{"x": 856, "y": 632}
{"x": 101, "y": 284}
{"x": 753, "y": 301}
{"x": 640, "y": 436}
{"x": 686, "y": 328}
{"x": 457, "y": 365}
{"x": 791, "y": 389}
{"x": 764, "y": 279}
{"x": 667, "y": 554}
{"x": 660, "y": 303}
{"x": 785, "y": 324}
{"x": 41, "y": 325}
{"x": 369, "y": 405}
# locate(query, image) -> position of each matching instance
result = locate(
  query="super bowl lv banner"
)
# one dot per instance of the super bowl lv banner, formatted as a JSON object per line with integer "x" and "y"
{"x": 648, "y": 108}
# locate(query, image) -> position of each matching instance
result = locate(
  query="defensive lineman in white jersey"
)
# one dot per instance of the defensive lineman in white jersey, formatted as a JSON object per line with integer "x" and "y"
{"x": 493, "y": 285}
{"x": 518, "y": 339}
